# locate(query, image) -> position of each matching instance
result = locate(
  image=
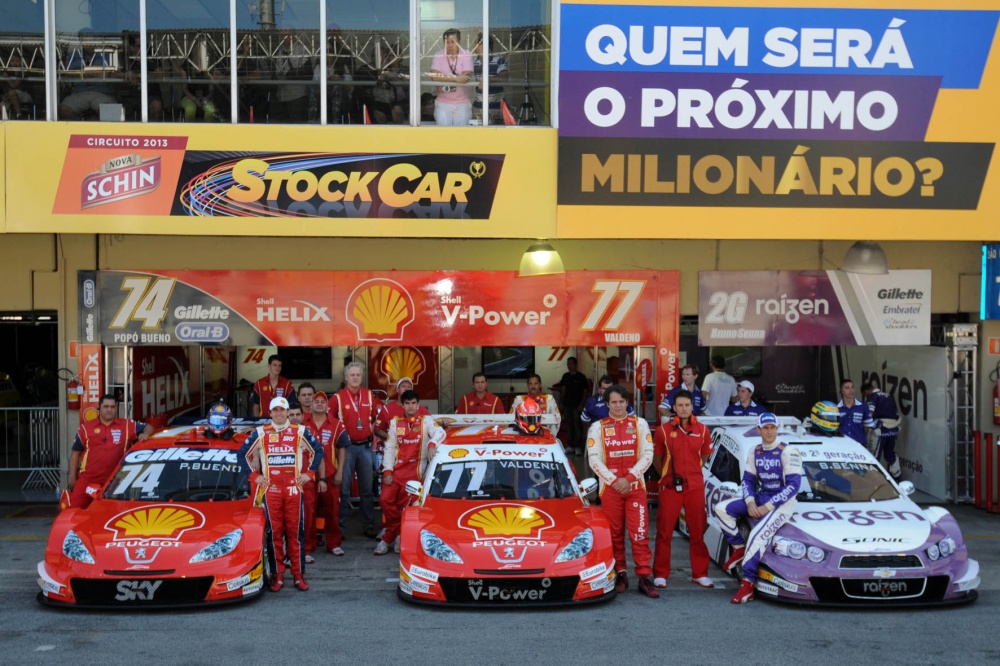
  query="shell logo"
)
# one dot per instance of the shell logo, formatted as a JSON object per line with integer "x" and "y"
{"x": 163, "y": 521}
{"x": 458, "y": 453}
{"x": 506, "y": 520}
{"x": 380, "y": 309}
{"x": 90, "y": 414}
{"x": 401, "y": 362}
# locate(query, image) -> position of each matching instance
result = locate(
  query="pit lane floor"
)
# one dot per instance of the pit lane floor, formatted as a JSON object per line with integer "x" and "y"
{"x": 351, "y": 615}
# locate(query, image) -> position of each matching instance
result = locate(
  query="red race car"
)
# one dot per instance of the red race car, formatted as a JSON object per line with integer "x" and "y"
{"x": 175, "y": 526}
{"x": 500, "y": 520}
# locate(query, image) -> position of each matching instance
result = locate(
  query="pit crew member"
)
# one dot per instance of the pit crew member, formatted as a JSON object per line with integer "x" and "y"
{"x": 98, "y": 448}
{"x": 545, "y": 402}
{"x": 885, "y": 414}
{"x": 682, "y": 446}
{"x": 770, "y": 482}
{"x": 333, "y": 436}
{"x": 395, "y": 408}
{"x": 689, "y": 375}
{"x": 273, "y": 457}
{"x": 855, "y": 417}
{"x": 620, "y": 450}
{"x": 363, "y": 415}
{"x": 479, "y": 400}
{"x": 595, "y": 408}
{"x": 271, "y": 385}
{"x": 412, "y": 441}
{"x": 744, "y": 405}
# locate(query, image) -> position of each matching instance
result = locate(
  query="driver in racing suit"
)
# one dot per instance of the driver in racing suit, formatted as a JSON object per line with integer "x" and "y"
{"x": 412, "y": 440}
{"x": 620, "y": 450}
{"x": 272, "y": 456}
{"x": 771, "y": 480}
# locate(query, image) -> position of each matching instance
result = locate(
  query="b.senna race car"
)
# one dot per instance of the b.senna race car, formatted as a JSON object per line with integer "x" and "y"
{"x": 500, "y": 520}
{"x": 174, "y": 526}
{"x": 854, "y": 538}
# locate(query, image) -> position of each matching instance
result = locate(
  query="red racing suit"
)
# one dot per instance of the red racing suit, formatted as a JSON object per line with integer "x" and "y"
{"x": 278, "y": 454}
{"x": 103, "y": 446}
{"x": 331, "y": 435}
{"x": 407, "y": 452}
{"x": 623, "y": 448}
{"x": 471, "y": 404}
{"x": 263, "y": 393}
{"x": 682, "y": 448}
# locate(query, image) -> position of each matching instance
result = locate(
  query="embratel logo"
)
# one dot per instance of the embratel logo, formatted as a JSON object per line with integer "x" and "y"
{"x": 120, "y": 178}
{"x": 506, "y": 520}
{"x": 161, "y": 521}
{"x": 380, "y": 310}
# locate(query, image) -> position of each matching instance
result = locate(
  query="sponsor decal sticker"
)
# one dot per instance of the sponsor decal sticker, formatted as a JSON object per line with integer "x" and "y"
{"x": 780, "y": 582}
{"x": 424, "y": 573}
{"x": 593, "y": 571}
{"x": 238, "y": 582}
{"x": 253, "y": 587}
{"x": 420, "y": 586}
{"x": 767, "y": 588}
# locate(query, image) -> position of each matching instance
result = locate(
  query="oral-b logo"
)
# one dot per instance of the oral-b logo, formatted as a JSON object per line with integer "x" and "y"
{"x": 199, "y": 331}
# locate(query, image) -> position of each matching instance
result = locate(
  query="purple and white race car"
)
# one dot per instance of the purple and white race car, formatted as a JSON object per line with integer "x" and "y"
{"x": 854, "y": 538}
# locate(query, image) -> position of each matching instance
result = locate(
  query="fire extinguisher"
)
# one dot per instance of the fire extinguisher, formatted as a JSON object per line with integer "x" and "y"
{"x": 74, "y": 388}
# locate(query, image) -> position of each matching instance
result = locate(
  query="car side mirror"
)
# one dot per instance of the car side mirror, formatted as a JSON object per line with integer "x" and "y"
{"x": 906, "y": 487}
{"x": 588, "y": 485}
{"x": 730, "y": 488}
{"x": 414, "y": 487}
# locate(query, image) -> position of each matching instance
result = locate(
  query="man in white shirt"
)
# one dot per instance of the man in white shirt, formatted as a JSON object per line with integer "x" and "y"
{"x": 719, "y": 388}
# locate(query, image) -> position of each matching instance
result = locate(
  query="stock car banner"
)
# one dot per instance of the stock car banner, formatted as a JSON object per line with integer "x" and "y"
{"x": 394, "y": 308}
{"x": 699, "y": 120}
{"x": 773, "y": 308}
{"x": 428, "y": 182}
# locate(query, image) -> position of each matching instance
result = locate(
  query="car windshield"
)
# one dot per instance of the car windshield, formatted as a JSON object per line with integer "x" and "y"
{"x": 179, "y": 474}
{"x": 501, "y": 479}
{"x": 845, "y": 482}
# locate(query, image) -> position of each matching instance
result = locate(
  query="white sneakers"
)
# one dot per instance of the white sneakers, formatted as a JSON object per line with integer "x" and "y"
{"x": 310, "y": 559}
{"x": 395, "y": 546}
{"x": 660, "y": 582}
{"x": 703, "y": 581}
{"x": 382, "y": 548}
{"x": 338, "y": 551}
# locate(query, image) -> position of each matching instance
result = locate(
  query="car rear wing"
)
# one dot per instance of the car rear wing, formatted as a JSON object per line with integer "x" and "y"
{"x": 748, "y": 421}
{"x": 459, "y": 420}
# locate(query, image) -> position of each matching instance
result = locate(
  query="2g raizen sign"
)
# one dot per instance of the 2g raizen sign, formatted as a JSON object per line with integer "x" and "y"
{"x": 306, "y": 308}
{"x": 769, "y": 308}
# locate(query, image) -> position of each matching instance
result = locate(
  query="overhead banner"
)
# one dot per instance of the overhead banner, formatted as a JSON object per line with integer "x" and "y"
{"x": 426, "y": 182}
{"x": 773, "y": 308}
{"x": 688, "y": 111}
{"x": 397, "y": 308}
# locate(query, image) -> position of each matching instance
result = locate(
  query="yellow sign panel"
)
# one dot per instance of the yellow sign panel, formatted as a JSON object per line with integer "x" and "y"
{"x": 272, "y": 180}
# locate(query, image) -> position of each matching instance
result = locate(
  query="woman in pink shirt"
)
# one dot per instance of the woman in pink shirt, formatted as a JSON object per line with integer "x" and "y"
{"x": 452, "y": 66}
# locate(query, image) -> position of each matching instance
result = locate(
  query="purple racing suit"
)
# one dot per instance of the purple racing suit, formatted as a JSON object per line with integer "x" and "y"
{"x": 772, "y": 478}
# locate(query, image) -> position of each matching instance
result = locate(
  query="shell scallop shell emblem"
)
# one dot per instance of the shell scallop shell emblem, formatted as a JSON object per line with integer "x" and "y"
{"x": 380, "y": 310}
{"x": 401, "y": 362}
{"x": 163, "y": 521}
{"x": 507, "y": 520}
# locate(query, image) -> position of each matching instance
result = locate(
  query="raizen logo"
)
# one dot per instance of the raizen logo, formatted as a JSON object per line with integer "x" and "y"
{"x": 910, "y": 394}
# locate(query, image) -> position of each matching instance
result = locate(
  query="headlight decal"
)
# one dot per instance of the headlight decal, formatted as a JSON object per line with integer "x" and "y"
{"x": 218, "y": 548}
{"x": 74, "y": 549}
{"x": 436, "y": 548}
{"x": 581, "y": 544}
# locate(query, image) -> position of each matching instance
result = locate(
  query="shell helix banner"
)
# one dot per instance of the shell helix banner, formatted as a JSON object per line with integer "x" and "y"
{"x": 398, "y": 308}
{"x": 697, "y": 120}
{"x": 96, "y": 178}
{"x": 772, "y": 308}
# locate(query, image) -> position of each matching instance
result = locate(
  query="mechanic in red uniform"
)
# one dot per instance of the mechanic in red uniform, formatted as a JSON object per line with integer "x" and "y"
{"x": 395, "y": 408}
{"x": 271, "y": 385}
{"x": 620, "y": 450}
{"x": 98, "y": 448}
{"x": 272, "y": 457}
{"x": 412, "y": 440}
{"x": 681, "y": 447}
{"x": 333, "y": 436}
{"x": 363, "y": 415}
{"x": 479, "y": 400}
